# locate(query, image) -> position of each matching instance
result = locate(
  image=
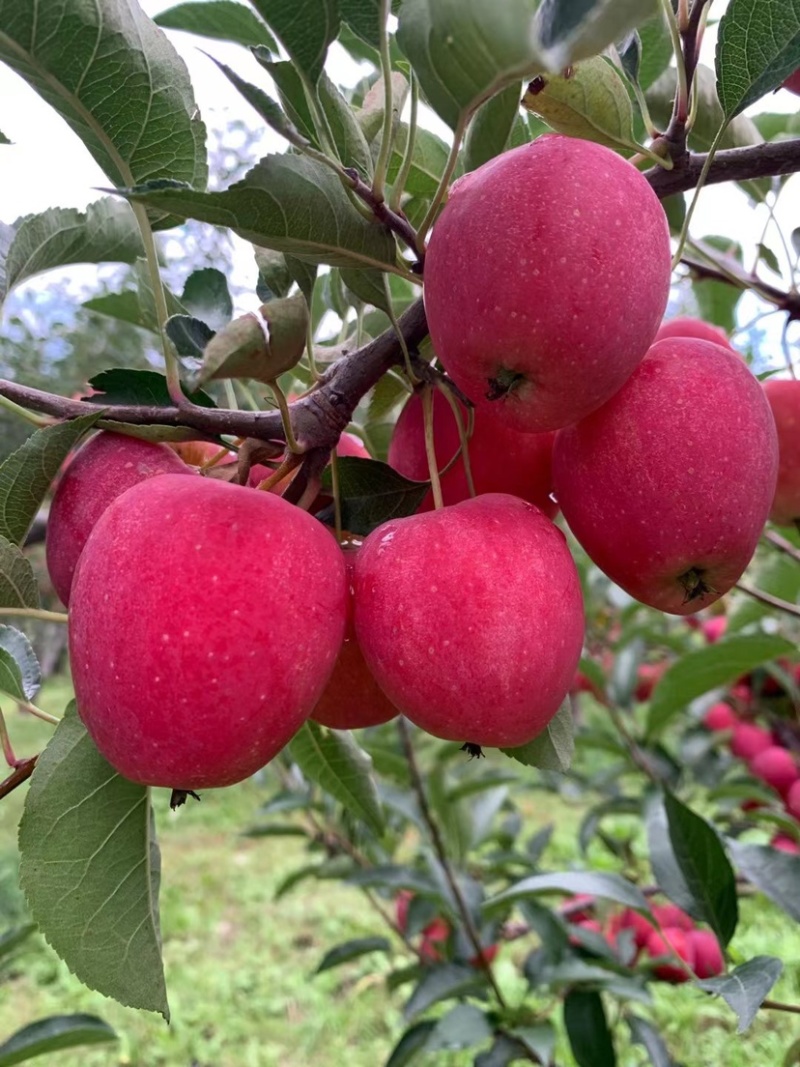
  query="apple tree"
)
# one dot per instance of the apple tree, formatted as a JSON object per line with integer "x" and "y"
{"x": 442, "y": 477}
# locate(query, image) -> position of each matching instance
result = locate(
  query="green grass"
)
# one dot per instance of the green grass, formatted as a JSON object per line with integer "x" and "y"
{"x": 239, "y": 964}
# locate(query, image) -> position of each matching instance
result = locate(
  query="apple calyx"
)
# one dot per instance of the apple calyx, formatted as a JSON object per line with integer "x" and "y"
{"x": 179, "y": 797}
{"x": 505, "y": 383}
{"x": 474, "y": 751}
{"x": 694, "y": 585}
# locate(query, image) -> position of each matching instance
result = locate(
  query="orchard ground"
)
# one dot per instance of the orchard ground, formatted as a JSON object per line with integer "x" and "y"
{"x": 240, "y": 964}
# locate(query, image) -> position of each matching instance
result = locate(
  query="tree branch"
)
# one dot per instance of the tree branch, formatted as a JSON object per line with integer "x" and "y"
{"x": 730, "y": 165}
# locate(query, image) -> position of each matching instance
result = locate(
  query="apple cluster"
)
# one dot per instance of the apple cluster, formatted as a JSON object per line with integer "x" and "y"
{"x": 209, "y": 620}
{"x": 433, "y": 939}
{"x": 635, "y": 939}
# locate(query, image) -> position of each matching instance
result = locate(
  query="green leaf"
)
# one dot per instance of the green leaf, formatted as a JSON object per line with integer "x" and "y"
{"x": 352, "y": 950}
{"x": 334, "y": 761}
{"x": 705, "y": 868}
{"x": 552, "y": 749}
{"x": 11, "y": 940}
{"x": 372, "y": 493}
{"x": 305, "y": 28}
{"x": 190, "y": 336}
{"x": 105, "y": 233}
{"x": 490, "y": 129}
{"x": 591, "y": 102}
{"x": 221, "y": 20}
{"x": 587, "y": 1029}
{"x": 644, "y": 1033}
{"x": 274, "y": 278}
{"x": 146, "y": 388}
{"x": 348, "y": 138}
{"x": 26, "y": 474}
{"x": 18, "y": 588}
{"x": 292, "y": 204}
{"x": 570, "y": 30}
{"x": 262, "y": 345}
{"x": 291, "y": 92}
{"x": 119, "y": 84}
{"x": 206, "y": 296}
{"x": 364, "y": 18}
{"x": 775, "y": 126}
{"x": 4, "y": 139}
{"x": 428, "y": 160}
{"x": 758, "y": 47}
{"x": 594, "y": 883}
{"x": 370, "y": 115}
{"x": 775, "y": 873}
{"x": 707, "y": 668}
{"x": 441, "y": 983}
{"x": 369, "y": 286}
{"x": 265, "y": 106}
{"x": 412, "y": 1042}
{"x": 745, "y": 988}
{"x": 90, "y": 869}
{"x": 465, "y": 51}
{"x": 656, "y": 50}
{"x": 52, "y": 1035}
{"x": 717, "y": 302}
{"x": 464, "y": 1026}
{"x": 20, "y": 673}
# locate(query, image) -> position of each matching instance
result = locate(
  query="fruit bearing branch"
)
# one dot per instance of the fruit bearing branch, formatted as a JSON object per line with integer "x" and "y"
{"x": 319, "y": 417}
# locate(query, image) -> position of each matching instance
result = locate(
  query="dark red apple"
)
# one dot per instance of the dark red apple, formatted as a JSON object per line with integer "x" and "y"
{"x": 671, "y": 940}
{"x": 471, "y": 618}
{"x": 107, "y": 465}
{"x": 748, "y": 740}
{"x": 792, "y": 83}
{"x": 708, "y": 958}
{"x": 205, "y": 621}
{"x": 352, "y": 698}
{"x": 690, "y": 327}
{"x": 502, "y": 460}
{"x": 546, "y": 279}
{"x": 784, "y": 399}
{"x": 669, "y": 484}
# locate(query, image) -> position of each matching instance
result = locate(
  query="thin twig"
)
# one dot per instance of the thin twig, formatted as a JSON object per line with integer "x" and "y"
{"x": 768, "y": 599}
{"x": 444, "y": 859}
{"x": 19, "y": 775}
{"x": 777, "y": 1005}
{"x": 778, "y": 541}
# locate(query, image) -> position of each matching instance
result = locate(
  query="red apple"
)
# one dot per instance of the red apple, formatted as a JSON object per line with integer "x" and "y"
{"x": 486, "y": 957}
{"x": 352, "y": 698}
{"x": 579, "y": 915}
{"x": 748, "y": 740}
{"x": 349, "y": 445}
{"x": 471, "y": 618}
{"x": 435, "y": 934}
{"x": 776, "y": 767}
{"x": 689, "y": 327}
{"x": 628, "y": 919}
{"x": 784, "y": 399}
{"x": 792, "y": 83}
{"x": 402, "y": 902}
{"x": 502, "y": 460}
{"x": 793, "y": 800}
{"x": 670, "y": 915}
{"x": 107, "y": 465}
{"x": 205, "y": 622}
{"x": 647, "y": 677}
{"x": 668, "y": 485}
{"x": 546, "y": 279}
{"x": 708, "y": 959}
{"x": 714, "y": 628}
{"x": 672, "y": 940}
{"x": 720, "y": 717}
{"x": 784, "y": 843}
{"x": 197, "y": 453}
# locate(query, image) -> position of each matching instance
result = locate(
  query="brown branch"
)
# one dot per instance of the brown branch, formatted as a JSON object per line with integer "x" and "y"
{"x": 731, "y": 165}
{"x": 779, "y": 541}
{"x": 19, "y": 775}
{"x": 769, "y": 600}
{"x": 676, "y": 133}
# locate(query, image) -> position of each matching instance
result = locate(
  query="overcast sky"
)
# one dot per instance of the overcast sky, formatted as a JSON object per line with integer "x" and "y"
{"x": 47, "y": 164}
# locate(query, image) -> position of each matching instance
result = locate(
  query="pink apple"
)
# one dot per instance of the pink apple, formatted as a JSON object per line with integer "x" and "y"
{"x": 720, "y": 717}
{"x": 205, "y": 621}
{"x": 673, "y": 916}
{"x": 107, "y": 465}
{"x": 784, "y": 399}
{"x": 671, "y": 940}
{"x": 628, "y": 919}
{"x": 647, "y": 678}
{"x": 502, "y": 460}
{"x": 714, "y": 628}
{"x": 689, "y": 327}
{"x": 471, "y": 618}
{"x": 784, "y": 843}
{"x": 668, "y": 485}
{"x": 546, "y": 279}
{"x": 352, "y": 698}
{"x": 748, "y": 740}
{"x": 776, "y": 767}
{"x": 793, "y": 800}
{"x": 708, "y": 959}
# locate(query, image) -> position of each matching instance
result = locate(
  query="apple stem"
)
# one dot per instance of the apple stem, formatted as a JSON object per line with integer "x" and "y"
{"x": 430, "y": 450}
{"x": 337, "y": 500}
{"x": 37, "y": 613}
{"x": 5, "y": 742}
{"x": 286, "y": 467}
{"x": 463, "y": 434}
{"x": 286, "y": 418}
{"x": 217, "y": 458}
{"x": 444, "y": 859}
